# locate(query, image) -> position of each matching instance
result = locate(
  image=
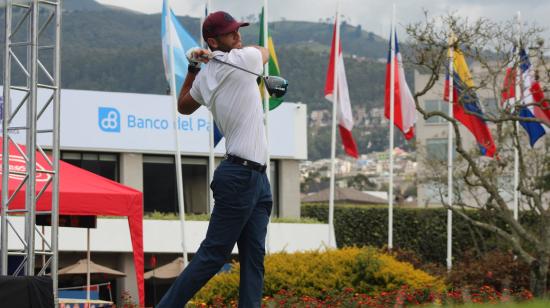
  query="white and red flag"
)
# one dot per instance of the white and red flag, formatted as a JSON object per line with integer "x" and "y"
{"x": 404, "y": 107}
{"x": 344, "y": 115}
{"x": 508, "y": 94}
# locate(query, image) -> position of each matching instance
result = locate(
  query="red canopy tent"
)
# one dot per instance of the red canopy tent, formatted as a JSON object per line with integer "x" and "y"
{"x": 85, "y": 193}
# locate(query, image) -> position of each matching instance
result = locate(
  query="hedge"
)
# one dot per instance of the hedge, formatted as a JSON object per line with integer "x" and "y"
{"x": 313, "y": 273}
{"x": 423, "y": 231}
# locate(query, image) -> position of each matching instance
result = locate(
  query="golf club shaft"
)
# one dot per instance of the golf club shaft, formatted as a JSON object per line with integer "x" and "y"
{"x": 237, "y": 67}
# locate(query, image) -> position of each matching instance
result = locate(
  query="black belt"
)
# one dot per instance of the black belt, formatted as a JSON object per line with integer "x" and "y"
{"x": 245, "y": 162}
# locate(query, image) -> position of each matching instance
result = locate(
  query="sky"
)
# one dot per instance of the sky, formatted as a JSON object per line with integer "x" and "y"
{"x": 372, "y": 15}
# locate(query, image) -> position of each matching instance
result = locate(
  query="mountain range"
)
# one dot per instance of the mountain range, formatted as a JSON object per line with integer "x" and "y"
{"x": 112, "y": 49}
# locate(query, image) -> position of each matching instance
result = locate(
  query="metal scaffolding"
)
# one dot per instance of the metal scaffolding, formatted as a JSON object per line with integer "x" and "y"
{"x": 31, "y": 117}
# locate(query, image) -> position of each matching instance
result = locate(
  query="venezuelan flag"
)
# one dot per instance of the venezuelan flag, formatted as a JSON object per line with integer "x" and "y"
{"x": 466, "y": 104}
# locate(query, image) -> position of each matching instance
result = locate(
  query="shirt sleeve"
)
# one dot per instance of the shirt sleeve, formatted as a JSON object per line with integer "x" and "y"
{"x": 195, "y": 91}
{"x": 247, "y": 57}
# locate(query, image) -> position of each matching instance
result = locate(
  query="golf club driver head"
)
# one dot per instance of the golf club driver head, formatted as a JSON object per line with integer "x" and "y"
{"x": 276, "y": 86}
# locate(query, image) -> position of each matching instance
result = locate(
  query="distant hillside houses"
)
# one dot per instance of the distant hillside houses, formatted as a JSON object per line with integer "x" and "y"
{"x": 374, "y": 117}
{"x": 375, "y": 166}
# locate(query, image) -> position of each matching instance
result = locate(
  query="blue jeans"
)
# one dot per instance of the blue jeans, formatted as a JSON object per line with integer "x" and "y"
{"x": 243, "y": 204}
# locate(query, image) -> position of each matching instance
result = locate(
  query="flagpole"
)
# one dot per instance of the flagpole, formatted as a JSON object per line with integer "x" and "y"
{"x": 266, "y": 95}
{"x": 211, "y": 161}
{"x": 332, "y": 237}
{"x": 517, "y": 99}
{"x": 450, "y": 159}
{"x": 173, "y": 94}
{"x": 392, "y": 120}
{"x": 266, "y": 113}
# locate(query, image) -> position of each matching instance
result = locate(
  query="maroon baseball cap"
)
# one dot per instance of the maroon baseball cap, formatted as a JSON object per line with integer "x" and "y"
{"x": 220, "y": 23}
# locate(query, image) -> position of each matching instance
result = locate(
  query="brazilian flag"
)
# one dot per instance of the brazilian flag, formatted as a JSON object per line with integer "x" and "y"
{"x": 273, "y": 63}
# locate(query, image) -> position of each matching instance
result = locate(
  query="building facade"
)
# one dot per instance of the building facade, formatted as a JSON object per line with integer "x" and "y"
{"x": 129, "y": 138}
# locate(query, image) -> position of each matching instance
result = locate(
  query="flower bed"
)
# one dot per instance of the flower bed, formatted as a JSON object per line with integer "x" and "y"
{"x": 403, "y": 297}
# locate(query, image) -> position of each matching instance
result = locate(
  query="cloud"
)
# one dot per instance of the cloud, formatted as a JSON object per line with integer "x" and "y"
{"x": 372, "y": 15}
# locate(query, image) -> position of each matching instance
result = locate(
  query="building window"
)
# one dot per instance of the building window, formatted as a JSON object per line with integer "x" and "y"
{"x": 103, "y": 164}
{"x": 274, "y": 181}
{"x": 159, "y": 184}
{"x": 436, "y": 105}
{"x": 436, "y": 149}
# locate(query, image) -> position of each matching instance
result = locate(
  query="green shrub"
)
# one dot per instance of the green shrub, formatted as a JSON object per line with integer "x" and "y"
{"x": 291, "y": 220}
{"x": 423, "y": 231}
{"x": 313, "y": 273}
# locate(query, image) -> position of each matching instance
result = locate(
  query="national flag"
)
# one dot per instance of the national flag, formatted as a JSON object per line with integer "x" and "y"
{"x": 532, "y": 94}
{"x": 532, "y": 100}
{"x": 180, "y": 41}
{"x": 176, "y": 39}
{"x": 404, "y": 107}
{"x": 508, "y": 94}
{"x": 273, "y": 62}
{"x": 343, "y": 107}
{"x": 466, "y": 104}
{"x": 218, "y": 136}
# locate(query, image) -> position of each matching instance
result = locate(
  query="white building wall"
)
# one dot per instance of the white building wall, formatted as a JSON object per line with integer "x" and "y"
{"x": 131, "y": 170}
{"x": 289, "y": 188}
{"x": 162, "y": 236}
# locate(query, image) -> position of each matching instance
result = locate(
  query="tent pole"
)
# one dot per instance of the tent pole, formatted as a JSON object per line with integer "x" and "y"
{"x": 154, "y": 288}
{"x": 88, "y": 266}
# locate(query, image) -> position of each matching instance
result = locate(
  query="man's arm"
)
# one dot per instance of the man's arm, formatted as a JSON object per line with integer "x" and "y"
{"x": 264, "y": 52}
{"x": 186, "y": 103}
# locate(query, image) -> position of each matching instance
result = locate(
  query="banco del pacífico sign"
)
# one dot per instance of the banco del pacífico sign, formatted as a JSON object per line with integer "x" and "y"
{"x": 110, "y": 120}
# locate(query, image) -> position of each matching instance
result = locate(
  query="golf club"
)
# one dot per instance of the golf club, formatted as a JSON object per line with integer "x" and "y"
{"x": 276, "y": 86}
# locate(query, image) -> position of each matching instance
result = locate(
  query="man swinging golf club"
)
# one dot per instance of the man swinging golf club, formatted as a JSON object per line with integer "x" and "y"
{"x": 241, "y": 188}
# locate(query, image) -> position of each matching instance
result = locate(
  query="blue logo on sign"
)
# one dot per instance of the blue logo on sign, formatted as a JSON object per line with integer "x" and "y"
{"x": 109, "y": 120}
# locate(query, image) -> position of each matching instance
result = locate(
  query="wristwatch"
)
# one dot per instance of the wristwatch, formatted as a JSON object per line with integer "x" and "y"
{"x": 193, "y": 69}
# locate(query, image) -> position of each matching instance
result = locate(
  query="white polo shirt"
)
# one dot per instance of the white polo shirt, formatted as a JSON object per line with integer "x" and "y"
{"x": 234, "y": 99}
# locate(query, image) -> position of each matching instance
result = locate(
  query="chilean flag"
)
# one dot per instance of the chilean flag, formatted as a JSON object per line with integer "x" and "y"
{"x": 466, "y": 105}
{"x": 344, "y": 116}
{"x": 404, "y": 107}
